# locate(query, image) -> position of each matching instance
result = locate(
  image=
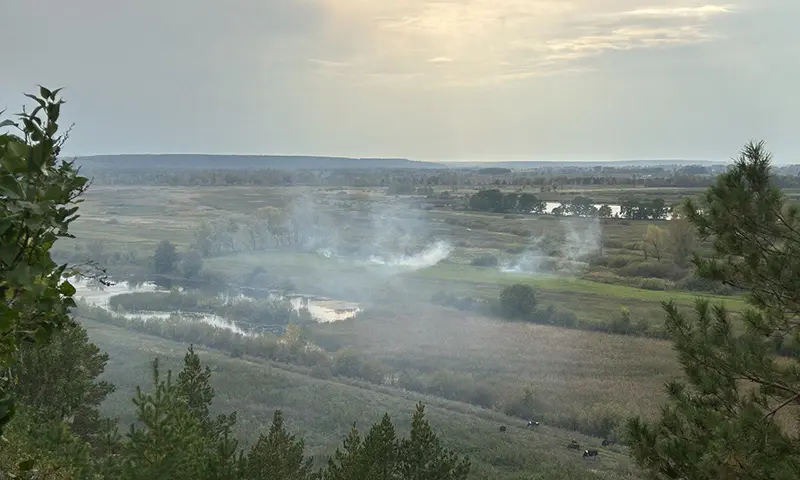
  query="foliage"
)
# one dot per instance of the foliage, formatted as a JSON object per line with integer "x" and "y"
{"x": 682, "y": 240}
{"x": 581, "y": 206}
{"x": 655, "y": 209}
{"x": 165, "y": 257}
{"x": 178, "y": 440}
{"x": 741, "y": 403}
{"x": 60, "y": 383}
{"x": 380, "y": 455}
{"x": 38, "y": 197}
{"x": 484, "y": 261}
{"x": 494, "y": 200}
{"x": 654, "y": 242}
{"x": 278, "y": 455}
{"x": 191, "y": 264}
{"x": 517, "y": 301}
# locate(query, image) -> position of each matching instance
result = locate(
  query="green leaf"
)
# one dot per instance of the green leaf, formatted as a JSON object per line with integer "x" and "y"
{"x": 36, "y": 99}
{"x": 26, "y": 465}
{"x": 10, "y": 187}
{"x": 67, "y": 289}
{"x": 8, "y": 123}
{"x": 44, "y": 92}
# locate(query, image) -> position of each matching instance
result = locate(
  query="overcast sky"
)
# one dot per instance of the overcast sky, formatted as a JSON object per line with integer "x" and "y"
{"x": 423, "y": 79}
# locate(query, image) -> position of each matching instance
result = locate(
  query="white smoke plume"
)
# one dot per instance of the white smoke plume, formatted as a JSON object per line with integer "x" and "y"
{"x": 565, "y": 253}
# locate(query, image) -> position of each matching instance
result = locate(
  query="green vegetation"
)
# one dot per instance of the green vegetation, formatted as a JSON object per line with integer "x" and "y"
{"x": 38, "y": 194}
{"x": 474, "y": 301}
{"x": 739, "y": 400}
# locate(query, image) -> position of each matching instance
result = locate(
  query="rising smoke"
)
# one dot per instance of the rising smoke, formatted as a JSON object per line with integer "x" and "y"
{"x": 564, "y": 252}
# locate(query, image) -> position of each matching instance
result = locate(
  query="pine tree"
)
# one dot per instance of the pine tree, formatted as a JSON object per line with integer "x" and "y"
{"x": 380, "y": 451}
{"x": 194, "y": 385}
{"x": 737, "y": 416}
{"x": 347, "y": 462}
{"x": 278, "y": 455}
{"x": 170, "y": 444}
{"x": 59, "y": 382}
{"x": 423, "y": 458}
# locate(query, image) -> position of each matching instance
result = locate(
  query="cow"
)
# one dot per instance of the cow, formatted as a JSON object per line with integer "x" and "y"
{"x": 606, "y": 443}
{"x": 502, "y": 428}
{"x": 589, "y": 453}
{"x": 531, "y": 423}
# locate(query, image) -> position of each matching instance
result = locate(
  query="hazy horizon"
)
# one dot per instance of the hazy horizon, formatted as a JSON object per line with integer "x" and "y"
{"x": 431, "y": 80}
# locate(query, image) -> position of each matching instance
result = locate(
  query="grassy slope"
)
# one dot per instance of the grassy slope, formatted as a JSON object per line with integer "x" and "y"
{"x": 323, "y": 410}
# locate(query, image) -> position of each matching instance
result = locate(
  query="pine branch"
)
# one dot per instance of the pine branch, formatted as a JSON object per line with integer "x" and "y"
{"x": 775, "y": 410}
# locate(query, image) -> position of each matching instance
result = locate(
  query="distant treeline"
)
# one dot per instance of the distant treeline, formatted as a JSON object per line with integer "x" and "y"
{"x": 496, "y": 201}
{"x": 407, "y": 180}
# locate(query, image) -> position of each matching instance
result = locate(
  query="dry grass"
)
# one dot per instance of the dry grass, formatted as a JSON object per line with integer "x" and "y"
{"x": 571, "y": 372}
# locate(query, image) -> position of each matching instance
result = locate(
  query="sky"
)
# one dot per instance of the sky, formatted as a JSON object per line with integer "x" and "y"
{"x": 423, "y": 79}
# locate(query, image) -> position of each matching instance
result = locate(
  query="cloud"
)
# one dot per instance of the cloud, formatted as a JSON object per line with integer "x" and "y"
{"x": 508, "y": 40}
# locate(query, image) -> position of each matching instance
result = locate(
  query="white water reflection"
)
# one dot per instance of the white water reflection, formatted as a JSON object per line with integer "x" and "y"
{"x": 90, "y": 293}
{"x": 321, "y": 309}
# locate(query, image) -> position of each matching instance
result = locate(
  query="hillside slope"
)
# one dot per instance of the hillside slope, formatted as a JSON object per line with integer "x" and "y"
{"x": 323, "y": 410}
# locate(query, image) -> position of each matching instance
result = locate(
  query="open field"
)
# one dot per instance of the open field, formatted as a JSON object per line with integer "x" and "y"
{"x": 579, "y": 380}
{"x": 323, "y": 410}
{"x": 136, "y": 218}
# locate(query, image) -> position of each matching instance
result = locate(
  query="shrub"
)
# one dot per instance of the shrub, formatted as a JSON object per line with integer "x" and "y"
{"x": 485, "y": 261}
{"x": 694, "y": 283}
{"x": 655, "y": 284}
{"x": 665, "y": 270}
{"x": 517, "y": 301}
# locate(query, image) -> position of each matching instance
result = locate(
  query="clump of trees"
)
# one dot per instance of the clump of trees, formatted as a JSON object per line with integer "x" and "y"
{"x": 655, "y": 209}
{"x": 739, "y": 401}
{"x": 498, "y": 202}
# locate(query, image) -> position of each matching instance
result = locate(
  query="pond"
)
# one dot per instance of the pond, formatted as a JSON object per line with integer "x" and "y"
{"x": 320, "y": 309}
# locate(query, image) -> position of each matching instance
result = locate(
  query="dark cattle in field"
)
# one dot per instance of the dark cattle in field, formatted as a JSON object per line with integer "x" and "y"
{"x": 531, "y": 423}
{"x": 606, "y": 443}
{"x": 502, "y": 428}
{"x": 589, "y": 453}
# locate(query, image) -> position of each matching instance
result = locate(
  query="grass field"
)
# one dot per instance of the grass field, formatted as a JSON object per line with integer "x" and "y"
{"x": 323, "y": 410}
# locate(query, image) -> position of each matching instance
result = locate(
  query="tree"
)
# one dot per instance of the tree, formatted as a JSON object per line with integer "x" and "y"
{"x": 278, "y": 455}
{"x": 682, "y": 239}
{"x": 347, "y": 462}
{"x": 170, "y": 443}
{"x": 191, "y": 264}
{"x": 740, "y": 402}
{"x": 165, "y": 257}
{"x": 381, "y": 448}
{"x": 39, "y": 194}
{"x": 204, "y": 239}
{"x": 605, "y": 212}
{"x": 60, "y": 382}
{"x": 423, "y": 458}
{"x": 517, "y": 301}
{"x": 654, "y": 242}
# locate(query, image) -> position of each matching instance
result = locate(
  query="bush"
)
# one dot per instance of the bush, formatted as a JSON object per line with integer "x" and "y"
{"x": 665, "y": 270}
{"x": 484, "y": 261}
{"x": 655, "y": 284}
{"x": 615, "y": 261}
{"x": 517, "y": 301}
{"x": 694, "y": 283}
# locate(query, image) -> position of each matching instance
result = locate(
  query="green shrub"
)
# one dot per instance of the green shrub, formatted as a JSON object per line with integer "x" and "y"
{"x": 485, "y": 261}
